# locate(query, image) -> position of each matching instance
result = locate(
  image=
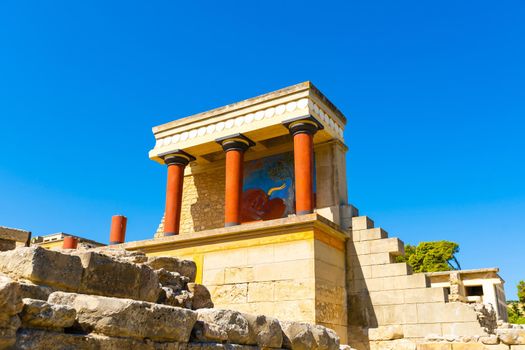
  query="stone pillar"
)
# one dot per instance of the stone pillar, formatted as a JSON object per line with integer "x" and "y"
{"x": 303, "y": 130}
{"x": 234, "y": 146}
{"x": 70, "y": 242}
{"x": 117, "y": 234}
{"x": 176, "y": 162}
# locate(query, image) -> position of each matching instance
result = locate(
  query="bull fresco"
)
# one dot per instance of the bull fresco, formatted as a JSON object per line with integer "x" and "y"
{"x": 268, "y": 190}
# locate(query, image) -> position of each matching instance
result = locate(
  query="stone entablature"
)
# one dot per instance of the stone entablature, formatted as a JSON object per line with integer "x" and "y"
{"x": 259, "y": 118}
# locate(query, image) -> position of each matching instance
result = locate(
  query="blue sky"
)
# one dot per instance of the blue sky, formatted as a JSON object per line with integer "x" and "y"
{"x": 433, "y": 91}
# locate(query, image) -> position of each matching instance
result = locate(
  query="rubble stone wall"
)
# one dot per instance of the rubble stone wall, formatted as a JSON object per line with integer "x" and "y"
{"x": 114, "y": 299}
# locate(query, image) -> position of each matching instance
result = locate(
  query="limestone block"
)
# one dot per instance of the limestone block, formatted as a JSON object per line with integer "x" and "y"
{"x": 185, "y": 268}
{"x": 491, "y": 339}
{"x": 434, "y": 346}
{"x": 229, "y": 293}
{"x": 362, "y": 223}
{"x": 517, "y": 347}
{"x": 128, "y": 318}
{"x": 107, "y": 276}
{"x": 35, "y": 339}
{"x": 386, "y": 332}
{"x": 303, "y": 336}
{"x": 331, "y": 312}
{"x": 201, "y": 296}
{"x": 266, "y": 331}
{"x": 360, "y": 248}
{"x": 329, "y": 273}
{"x": 511, "y": 336}
{"x": 299, "y": 310}
{"x": 296, "y": 250}
{"x": 10, "y": 297}
{"x": 329, "y": 254}
{"x": 372, "y": 234}
{"x": 387, "y": 298}
{"x": 233, "y": 323}
{"x": 421, "y": 330}
{"x": 260, "y": 254}
{"x": 8, "y": 327}
{"x": 238, "y": 274}
{"x": 40, "y": 314}
{"x": 396, "y": 314}
{"x": 285, "y": 270}
{"x": 43, "y": 266}
{"x": 417, "y": 280}
{"x": 447, "y": 312}
{"x": 424, "y": 295}
{"x": 226, "y": 258}
{"x": 35, "y": 291}
{"x": 398, "y": 344}
{"x": 388, "y": 245}
{"x": 212, "y": 276}
{"x": 467, "y": 346}
{"x": 499, "y": 346}
{"x": 264, "y": 291}
{"x": 325, "y": 338}
{"x": 397, "y": 269}
{"x": 462, "y": 328}
{"x": 135, "y": 257}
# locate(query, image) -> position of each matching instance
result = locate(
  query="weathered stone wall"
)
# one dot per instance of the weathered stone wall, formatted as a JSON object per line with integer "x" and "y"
{"x": 113, "y": 299}
{"x": 10, "y": 238}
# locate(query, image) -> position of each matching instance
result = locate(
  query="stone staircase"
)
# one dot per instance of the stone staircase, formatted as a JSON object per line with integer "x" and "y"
{"x": 386, "y": 295}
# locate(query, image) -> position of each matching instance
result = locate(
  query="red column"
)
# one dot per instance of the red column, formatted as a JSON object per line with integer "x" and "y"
{"x": 70, "y": 242}
{"x": 117, "y": 234}
{"x": 176, "y": 163}
{"x": 234, "y": 146}
{"x": 303, "y": 133}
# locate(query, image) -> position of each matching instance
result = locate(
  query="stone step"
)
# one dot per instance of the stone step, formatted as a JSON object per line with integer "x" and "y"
{"x": 369, "y": 234}
{"x": 362, "y": 223}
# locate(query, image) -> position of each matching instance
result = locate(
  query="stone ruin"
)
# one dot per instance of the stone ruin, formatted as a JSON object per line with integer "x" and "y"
{"x": 113, "y": 299}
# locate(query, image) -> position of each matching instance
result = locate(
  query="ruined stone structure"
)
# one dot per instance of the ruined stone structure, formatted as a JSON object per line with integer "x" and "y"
{"x": 257, "y": 224}
{"x": 111, "y": 299}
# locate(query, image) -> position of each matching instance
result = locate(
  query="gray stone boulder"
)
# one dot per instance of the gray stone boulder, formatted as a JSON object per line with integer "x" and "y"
{"x": 266, "y": 331}
{"x": 136, "y": 257}
{"x": 40, "y": 314}
{"x": 128, "y": 318}
{"x": 34, "y": 291}
{"x": 35, "y": 339}
{"x": 43, "y": 266}
{"x": 201, "y": 296}
{"x": 325, "y": 338}
{"x": 186, "y": 268}
{"x": 218, "y": 322}
{"x": 302, "y": 336}
{"x": 104, "y": 275}
{"x": 182, "y": 298}
{"x": 174, "y": 280}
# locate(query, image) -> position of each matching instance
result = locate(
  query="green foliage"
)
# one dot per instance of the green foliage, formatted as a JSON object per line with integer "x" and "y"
{"x": 516, "y": 312}
{"x": 431, "y": 256}
{"x": 521, "y": 291}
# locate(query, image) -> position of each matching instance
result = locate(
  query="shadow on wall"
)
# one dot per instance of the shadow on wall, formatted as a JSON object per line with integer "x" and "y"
{"x": 361, "y": 314}
{"x": 207, "y": 208}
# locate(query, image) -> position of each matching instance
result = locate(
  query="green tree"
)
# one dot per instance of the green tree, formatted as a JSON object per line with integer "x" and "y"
{"x": 431, "y": 256}
{"x": 515, "y": 312}
{"x": 521, "y": 291}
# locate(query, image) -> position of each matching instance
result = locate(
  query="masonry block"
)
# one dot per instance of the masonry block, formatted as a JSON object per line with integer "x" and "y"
{"x": 372, "y": 234}
{"x": 421, "y": 330}
{"x": 362, "y": 223}
{"x": 394, "y": 246}
{"x": 424, "y": 295}
{"x": 397, "y": 269}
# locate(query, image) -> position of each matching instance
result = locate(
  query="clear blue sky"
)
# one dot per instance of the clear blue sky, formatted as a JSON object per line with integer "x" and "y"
{"x": 433, "y": 91}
